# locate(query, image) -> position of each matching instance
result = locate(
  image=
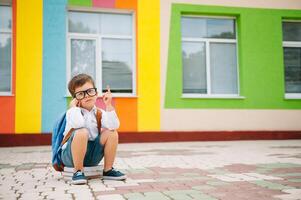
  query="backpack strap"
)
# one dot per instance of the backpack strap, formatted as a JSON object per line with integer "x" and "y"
{"x": 59, "y": 168}
{"x": 67, "y": 136}
{"x": 98, "y": 119}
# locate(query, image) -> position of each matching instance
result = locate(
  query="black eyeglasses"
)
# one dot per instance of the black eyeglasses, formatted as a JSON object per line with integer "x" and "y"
{"x": 81, "y": 94}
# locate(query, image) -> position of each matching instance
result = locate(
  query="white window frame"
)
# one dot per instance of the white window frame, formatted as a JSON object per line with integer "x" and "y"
{"x": 293, "y": 44}
{"x": 9, "y": 32}
{"x": 207, "y": 42}
{"x": 99, "y": 38}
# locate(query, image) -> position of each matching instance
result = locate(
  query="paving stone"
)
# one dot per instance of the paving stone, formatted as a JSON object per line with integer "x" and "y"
{"x": 292, "y": 194}
{"x": 134, "y": 195}
{"x": 226, "y": 178}
{"x": 203, "y": 187}
{"x": 30, "y": 195}
{"x": 262, "y": 176}
{"x": 279, "y": 165}
{"x": 216, "y": 183}
{"x": 201, "y": 196}
{"x": 295, "y": 180}
{"x": 143, "y": 180}
{"x": 270, "y": 185}
{"x": 8, "y": 197}
{"x": 83, "y": 196}
{"x": 59, "y": 196}
{"x": 181, "y": 197}
{"x": 111, "y": 197}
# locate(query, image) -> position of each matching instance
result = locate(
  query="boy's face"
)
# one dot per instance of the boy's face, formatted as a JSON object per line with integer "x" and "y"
{"x": 88, "y": 101}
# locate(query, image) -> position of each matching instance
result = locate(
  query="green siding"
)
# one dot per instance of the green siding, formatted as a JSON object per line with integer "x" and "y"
{"x": 260, "y": 59}
{"x": 80, "y": 3}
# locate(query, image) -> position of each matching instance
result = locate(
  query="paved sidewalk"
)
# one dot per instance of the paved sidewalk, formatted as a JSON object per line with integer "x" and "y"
{"x": 163, "y": 171}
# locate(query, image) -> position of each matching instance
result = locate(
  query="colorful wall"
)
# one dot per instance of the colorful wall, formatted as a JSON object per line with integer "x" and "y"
{"x": 39, "y": 67}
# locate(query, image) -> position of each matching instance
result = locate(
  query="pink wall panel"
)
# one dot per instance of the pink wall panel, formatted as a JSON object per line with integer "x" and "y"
{"x": 104, "y": 3}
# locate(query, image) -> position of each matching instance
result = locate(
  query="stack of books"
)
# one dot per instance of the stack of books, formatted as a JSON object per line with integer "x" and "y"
{"x": 90, "y": 172}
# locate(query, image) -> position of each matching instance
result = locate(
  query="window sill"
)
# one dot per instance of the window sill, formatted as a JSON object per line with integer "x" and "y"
{"x": 292, "y": 96}
{"x": 195, "y": 96}
{"x": 6, "y": 94}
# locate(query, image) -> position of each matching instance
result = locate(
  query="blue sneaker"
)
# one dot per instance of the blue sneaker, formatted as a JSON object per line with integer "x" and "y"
{"x": 79, "y": 178}
{"x": 113, "y": 175}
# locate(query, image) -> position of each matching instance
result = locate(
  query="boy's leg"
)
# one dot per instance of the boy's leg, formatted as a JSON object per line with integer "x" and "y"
{"x": 79, "y": 148}
{"x": 109, "y": 139}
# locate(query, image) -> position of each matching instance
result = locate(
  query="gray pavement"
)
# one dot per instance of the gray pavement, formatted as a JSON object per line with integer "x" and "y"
{"x": 164, "y": 171}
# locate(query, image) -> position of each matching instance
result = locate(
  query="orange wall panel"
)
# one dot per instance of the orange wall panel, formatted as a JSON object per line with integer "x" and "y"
{"x": 7, "y": 114}
{"x": 129, "y": 4}
{"x": 127, "y": 112}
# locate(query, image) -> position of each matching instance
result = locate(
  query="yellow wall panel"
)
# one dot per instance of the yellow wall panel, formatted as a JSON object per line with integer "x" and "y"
{"x": 148, "y": 65}
{"x": 29, "y": 66}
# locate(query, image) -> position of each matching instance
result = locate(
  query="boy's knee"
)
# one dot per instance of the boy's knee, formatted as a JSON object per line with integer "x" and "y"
{"x": 82, "y": 133}
{"x": 108, "y": 135}
{"x": 113, "y": 134}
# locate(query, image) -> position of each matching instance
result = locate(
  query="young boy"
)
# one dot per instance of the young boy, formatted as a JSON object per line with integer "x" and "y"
{"x": 86, "y": 146}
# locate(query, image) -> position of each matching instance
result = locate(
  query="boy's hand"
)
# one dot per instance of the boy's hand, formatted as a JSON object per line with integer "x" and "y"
{"x": 74, "y": 103}
{"x": 107, "y": 99}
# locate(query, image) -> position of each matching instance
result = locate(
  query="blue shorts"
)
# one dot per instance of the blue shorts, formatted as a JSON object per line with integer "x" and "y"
{"x": 94, "y": 153}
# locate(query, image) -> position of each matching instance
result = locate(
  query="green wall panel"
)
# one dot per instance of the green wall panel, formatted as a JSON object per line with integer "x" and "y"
{"x": 80, "y": 2}
{"x": 260, "y": 59}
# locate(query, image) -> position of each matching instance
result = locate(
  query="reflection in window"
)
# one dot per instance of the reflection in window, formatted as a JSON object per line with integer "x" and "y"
{"x": 83, "y": 22}
{"x": 117, "y": 65}
{"x": 220, "y": 28}
{"x": 292, "y": 56}
{"x": 83, "y": 57}
{"x": 5, "y": 49}
{"x": 194, "y": 67}
{"x": 116, "y": 24}
{"x": 291, "y": 31}
{"x": 223, "y": 68}
{"x": 208, "y": 28}
{"x": 292, "y": 63}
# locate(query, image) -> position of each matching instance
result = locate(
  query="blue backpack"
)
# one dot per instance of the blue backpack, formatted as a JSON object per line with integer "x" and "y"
{"x": 58, "y": 139}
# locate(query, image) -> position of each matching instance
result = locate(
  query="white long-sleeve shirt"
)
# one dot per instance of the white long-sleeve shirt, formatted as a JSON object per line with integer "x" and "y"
{"x": 78, "y": 117}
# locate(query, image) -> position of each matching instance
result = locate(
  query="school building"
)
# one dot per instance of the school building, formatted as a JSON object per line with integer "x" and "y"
{"x": 178, "y": 69}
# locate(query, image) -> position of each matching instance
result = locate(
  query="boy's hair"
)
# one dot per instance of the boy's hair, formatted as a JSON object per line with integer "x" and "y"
{"x": 77, "y": 81}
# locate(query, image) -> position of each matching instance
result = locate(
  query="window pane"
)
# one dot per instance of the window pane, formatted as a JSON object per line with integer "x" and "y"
{"x": 193, "y": 27}
{"x": 221, "y": 28}
{"x": 117, "y": 65}
{"x": 116, "y": 24}
{"x": 83, "y": 22}
{"x": 291, "y": 31}
{"x": 5, "y": 63}
{"x": 208, "y": 28}
{"x": 83, "y": 57}
{"x": 292, "y": 62}
{"x": 194, "y": 67}
{"x": 5, "y": 17}
{"x": 223, "y": 68}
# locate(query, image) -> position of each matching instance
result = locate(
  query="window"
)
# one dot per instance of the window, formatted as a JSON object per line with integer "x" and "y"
{"x": 102, "y": 45}
{"x": 5, "y": 50}
{"x": 209, "y": 57}
{"x": 292, "y": 58}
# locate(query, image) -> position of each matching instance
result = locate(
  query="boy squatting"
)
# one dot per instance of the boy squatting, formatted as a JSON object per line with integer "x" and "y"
{"x": 87, "y": 144}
